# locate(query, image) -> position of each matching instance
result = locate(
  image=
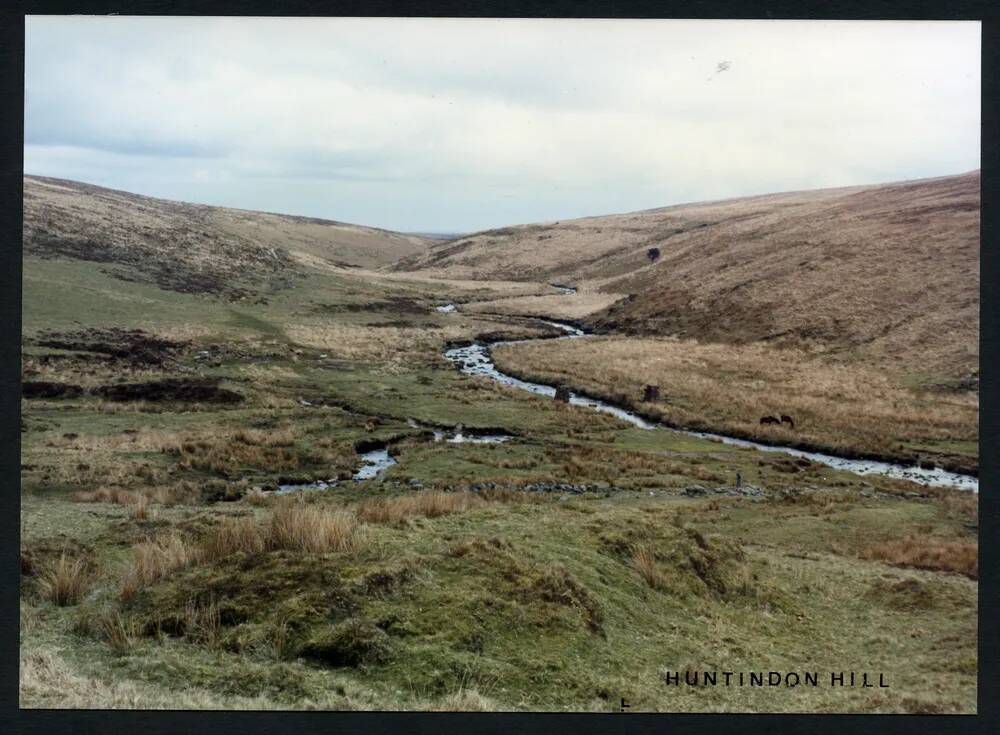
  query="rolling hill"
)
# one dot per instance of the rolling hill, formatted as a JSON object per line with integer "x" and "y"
{"x": 190, "y": 247}
{"x": 887, "y": 273}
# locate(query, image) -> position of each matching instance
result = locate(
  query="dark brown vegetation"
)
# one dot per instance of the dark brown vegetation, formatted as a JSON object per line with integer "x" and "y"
{"x": 130, "y": 346}
{"x": 49, "y": 389}
{"x": 200, "y": 390}
{"x": 194, "y": 390}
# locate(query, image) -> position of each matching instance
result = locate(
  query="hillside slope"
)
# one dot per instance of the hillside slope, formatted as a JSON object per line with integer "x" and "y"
{"x": 191, "y": 247}
{"x": 888, "y": 272}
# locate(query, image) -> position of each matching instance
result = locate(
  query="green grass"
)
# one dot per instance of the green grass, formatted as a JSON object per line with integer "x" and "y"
{"x": 530, "y": 603}
{"x": 480, "y": 619}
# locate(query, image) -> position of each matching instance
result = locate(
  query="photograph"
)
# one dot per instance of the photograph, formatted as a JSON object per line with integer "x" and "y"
{"x": 499, "y": 365}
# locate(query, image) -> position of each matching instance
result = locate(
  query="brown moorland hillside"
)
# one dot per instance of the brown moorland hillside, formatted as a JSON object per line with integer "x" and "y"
{"x": 191, "y": 247}
{"x": 887, "y": 274}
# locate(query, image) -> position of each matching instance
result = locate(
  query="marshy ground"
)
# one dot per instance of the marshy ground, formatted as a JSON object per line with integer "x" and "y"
{"x": 159, "y": 572}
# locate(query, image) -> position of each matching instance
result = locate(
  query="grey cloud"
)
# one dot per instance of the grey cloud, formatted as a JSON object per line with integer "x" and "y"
{"x": 419, "y": 125}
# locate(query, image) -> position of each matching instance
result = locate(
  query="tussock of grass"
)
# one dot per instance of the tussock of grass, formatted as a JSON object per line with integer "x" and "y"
{"x": 291, "y": 527}
{"x": 354, "y": 642}
{"x": 678, "y": 559}
{"x": 430, "y": 504}
{"x": 644, "y": 561}
{"x": 140, "y": 510}
{"x": 153, "y": 560}
{"x": 907, "y": 594}
{"x": 234, "y": 535}
{"x": 168, "y": 495}
{"x": 65, "y": 581}
{"x": 121, "y": 632}
{"x": 932, "y": 554}
{"x": 306, "y": 528}
{"x": 114, "y": 495}
{"x": 557, "y": 584}
{"x": 203, "y": 624}
{"x": 224, "y": 457}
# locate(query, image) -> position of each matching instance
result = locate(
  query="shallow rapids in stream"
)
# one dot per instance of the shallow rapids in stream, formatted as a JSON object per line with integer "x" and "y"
{"x": 374, "y": 462}
{"x": 476, "y": 359}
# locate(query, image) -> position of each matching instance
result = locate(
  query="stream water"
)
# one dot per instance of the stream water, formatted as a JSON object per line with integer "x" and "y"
{"x": 476, "y": 359}
{"x": 374, "y": 462}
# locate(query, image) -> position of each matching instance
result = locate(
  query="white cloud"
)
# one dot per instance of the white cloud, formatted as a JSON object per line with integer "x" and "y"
{"x": 460, "y": 124}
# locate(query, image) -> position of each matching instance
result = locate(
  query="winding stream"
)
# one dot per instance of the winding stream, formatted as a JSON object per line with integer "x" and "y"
{"x": 374, "y": 463}
{"x": 476, "y": 359}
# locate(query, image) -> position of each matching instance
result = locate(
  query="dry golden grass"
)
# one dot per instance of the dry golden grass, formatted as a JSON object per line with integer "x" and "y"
{"x": 120, "y": 632}
{"x": 292, "y": 526}
{"x": 572, "y": 306}
{"x": 271, "y": 438}
{"x": 153, "y": 560}
{"x": 889, "y": 272}
{"x": 234, "y": 535}
{"x": 644, "y": 561}
{"x": 430, "y": 504}
{"x": 230, "y": 454}
{"x": 928, "y": 553}
{"x": 183, "y": 492}
{"x": 140, "y": 510}
{"x": 71, "y": 467}
{"x": 389, "y": 346}
{"x": 728, "y": 388}
{"x": 299, "y": 527}
{"x": 113, "y": 495}
{"x": 65, "y": 581}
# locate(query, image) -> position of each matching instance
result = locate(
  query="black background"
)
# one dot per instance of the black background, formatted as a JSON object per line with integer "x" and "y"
{"x": 13, "y": 720}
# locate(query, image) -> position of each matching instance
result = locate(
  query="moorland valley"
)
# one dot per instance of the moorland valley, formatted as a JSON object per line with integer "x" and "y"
{"x": 281, "y": 462}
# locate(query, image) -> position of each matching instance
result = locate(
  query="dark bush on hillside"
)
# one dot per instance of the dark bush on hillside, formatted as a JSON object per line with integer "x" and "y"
{"x": 47, "y": 389}
{"x": 172, "y": 389}
{"x": 351, "y": 643}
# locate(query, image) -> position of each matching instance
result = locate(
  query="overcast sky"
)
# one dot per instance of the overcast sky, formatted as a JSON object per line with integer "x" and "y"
{"x": 458, "y": 125}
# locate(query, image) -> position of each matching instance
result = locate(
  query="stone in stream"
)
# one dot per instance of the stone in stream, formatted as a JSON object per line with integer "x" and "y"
{"x": 562, "y": 394}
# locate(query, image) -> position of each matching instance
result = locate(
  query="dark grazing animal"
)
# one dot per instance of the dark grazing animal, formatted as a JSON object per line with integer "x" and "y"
{"x": 651, "y": 393}
{"x": 786, "y": 419}
{"x": 562, "y": 394}
{"x": 769, "y": 420}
